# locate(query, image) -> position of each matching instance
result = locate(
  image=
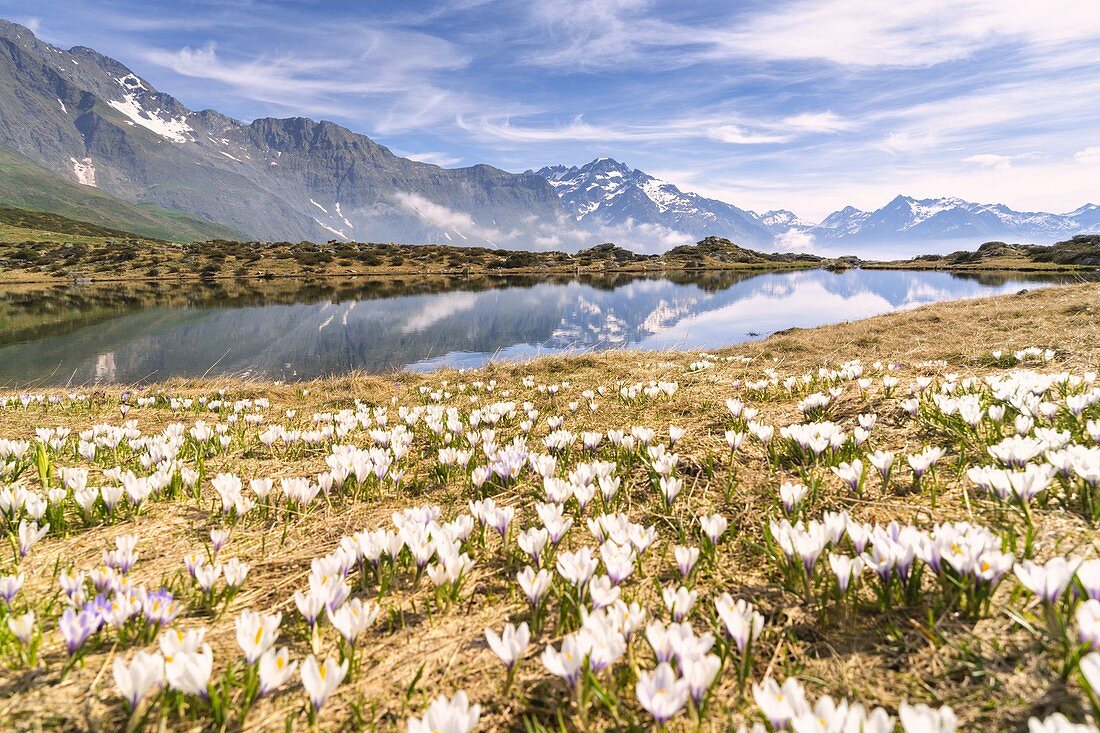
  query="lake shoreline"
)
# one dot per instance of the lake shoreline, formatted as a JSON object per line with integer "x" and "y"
{"x": 109, "y": 261}
{"x": 949, "y": 312}
{"x": 1055, "y": 269}
{"x": 5, "y": 279}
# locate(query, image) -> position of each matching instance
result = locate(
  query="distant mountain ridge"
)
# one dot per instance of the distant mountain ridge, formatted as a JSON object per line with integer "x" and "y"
{"x": 907, "y": 219}
{"x": 610, "y": 193}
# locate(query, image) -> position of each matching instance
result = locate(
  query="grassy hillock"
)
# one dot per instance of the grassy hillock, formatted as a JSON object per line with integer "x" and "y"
{"x": 37, "y": 223}
{"x": 718, "y": 252}
{"x": 50, "y": 247}
{"x": 1080, "y": 252}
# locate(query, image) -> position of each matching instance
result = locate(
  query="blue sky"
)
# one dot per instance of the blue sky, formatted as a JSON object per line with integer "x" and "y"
{"x": 802, "y": 105}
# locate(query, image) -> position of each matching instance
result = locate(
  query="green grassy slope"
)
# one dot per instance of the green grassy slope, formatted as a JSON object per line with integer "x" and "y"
{"x": 43, "y": 223}
{"x": 25, "y": 185}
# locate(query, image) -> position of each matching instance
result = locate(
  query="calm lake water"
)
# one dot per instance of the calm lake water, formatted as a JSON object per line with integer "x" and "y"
{"x": 282, "y": 330}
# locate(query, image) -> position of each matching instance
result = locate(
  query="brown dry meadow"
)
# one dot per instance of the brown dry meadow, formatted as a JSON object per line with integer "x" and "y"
{"x": 994, "y": 672}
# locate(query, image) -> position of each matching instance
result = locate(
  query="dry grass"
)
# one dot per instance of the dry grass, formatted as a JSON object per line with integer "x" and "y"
{"x": 992, "y": 672}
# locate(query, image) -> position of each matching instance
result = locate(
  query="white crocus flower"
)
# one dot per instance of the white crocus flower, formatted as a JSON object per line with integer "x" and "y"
{"x": 1047, "y": 581}
{"x": 661, "y": 693}
{"x": 275, "y": 669}
{"x": 321, "y": 679}
{"x": 189, "y": 672}
{"x": 923, "y": 719}
{"x": 534, "y": 585}
{"x": 22, "y": 627}
{"x": 740, "y": 620}
{"x": 134, "y": 680}
{"x": 447, "y": 715}
{"x": 511, "y": 644}
{"x": 679, "y": 601}
{"x": 256, "y": 633}
{"x": 29, "y": 534}
{"x": 353, "y": 617}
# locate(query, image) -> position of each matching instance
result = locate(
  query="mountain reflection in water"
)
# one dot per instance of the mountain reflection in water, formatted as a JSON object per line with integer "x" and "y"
{"x": 303, "y": 329}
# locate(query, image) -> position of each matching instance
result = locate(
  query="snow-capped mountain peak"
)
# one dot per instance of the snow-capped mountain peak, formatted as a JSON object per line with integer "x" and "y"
{"x": 847, "y": 221}
{"x": 783, "y": 219}
{"x": 606, "y": 192}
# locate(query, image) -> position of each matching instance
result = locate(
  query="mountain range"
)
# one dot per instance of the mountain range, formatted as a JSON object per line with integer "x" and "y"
{"x": 907, "y": 220}
{"x": 610, "y": 194}
{"x": 84, "y": 136}
{"x": 91, "y": 120}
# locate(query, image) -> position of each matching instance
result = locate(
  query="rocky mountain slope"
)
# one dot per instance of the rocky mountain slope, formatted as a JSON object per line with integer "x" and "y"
{"x": 89, "y": 118}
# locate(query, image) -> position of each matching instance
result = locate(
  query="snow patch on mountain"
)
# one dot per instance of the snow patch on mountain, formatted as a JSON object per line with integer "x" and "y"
{"x": 326, "y": 227}
{"x": 131, "y": 83}
{"x": 664, "y": 195}
{"x": 84, "y": 171}
{"x": 342, "y": 217}
{"x": 175, "y": 129}
{"x": 942, "y": 224}
{"x": 848, "y": 221}
{"x": 607, "y": 194}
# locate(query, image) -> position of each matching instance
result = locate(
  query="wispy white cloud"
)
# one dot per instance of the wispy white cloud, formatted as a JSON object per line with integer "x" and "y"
{"x": 391, "y": 79}
{"x": 704, "y": 125}
{"x": 737, "y": 135}
{"x": 858, "y": 33}
{"x": 794, "y": 240}
{"x": 561, "y": 234}
{"x": 818, "y": 122}
{"x": 576, "y": 130}
{"x": 1057, "y": 184}
{"x": 914, "y": 33}
{"x": 906, "y": 141}
{"x": 444, "y": 160}
{"x": 33, "y": 23}
{"x": 594, "y": 34}
{"x": 1089, "y": 156}
{"x": 444, "y": 218}
{"x": 998, "y": 162}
